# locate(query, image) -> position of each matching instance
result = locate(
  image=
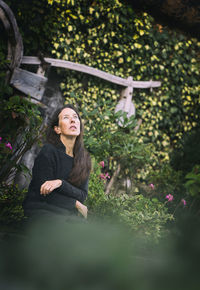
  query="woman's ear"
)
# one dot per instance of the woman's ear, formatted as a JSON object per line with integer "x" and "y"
{"x": 57, "y": 129}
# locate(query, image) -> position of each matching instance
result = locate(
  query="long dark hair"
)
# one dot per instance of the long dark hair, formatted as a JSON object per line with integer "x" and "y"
{"x": 82, "y": 161}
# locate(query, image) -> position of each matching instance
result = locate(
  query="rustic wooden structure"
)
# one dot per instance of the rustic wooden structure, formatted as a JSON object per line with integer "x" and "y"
{"x": 125, "y": 104}
{"x": 34, "y": 84}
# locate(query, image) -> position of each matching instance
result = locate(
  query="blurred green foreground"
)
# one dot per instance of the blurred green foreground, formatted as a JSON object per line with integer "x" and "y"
{"x": 62, "y": 253}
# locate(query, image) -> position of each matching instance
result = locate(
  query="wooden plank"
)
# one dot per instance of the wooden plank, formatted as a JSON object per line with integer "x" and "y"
{"x": 92, "y": 71}
{"x": 29, "y": 83}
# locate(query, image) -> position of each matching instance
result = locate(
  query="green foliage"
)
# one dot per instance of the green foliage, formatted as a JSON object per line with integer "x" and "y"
{"x": 193, "y": 182}
{"x": 20, "y": 112}
{"x": 166, "y": 180}
{"x": 96, "y": 195}
{"x": 145, "y": 216}
{"x": 37, "y": 34}
{"x": 11, "y": 198}
{"x": 20, "y": 127}
{"x": 187, "y": 155}
{"x": 118, "y": 145}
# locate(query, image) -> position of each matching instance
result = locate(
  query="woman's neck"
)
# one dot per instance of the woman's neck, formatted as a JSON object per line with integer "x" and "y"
{"x": 69, "y": 142}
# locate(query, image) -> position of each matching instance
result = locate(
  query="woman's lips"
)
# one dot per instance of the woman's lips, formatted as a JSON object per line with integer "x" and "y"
{"x": 72, "y": 127}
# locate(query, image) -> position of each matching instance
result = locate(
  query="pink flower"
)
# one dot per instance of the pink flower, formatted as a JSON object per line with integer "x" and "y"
{"x": 101, "y": 176}
{"x": 107, "y": 176}
{"x": 183, "y": 201}
{"x": 152, "y": 186}
{"x": 101, "y": 164}
{"x": 169, "y": 197}
{"x": 0, "y": 139}
{"x": 104, "y": 176}
{"x": 8, "y": 145}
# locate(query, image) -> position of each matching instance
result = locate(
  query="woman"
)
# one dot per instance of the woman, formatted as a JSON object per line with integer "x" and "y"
{"x": 61, "y": 170}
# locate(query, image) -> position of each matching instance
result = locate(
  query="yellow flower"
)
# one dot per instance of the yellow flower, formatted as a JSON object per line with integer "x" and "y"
{"x": 137, "y": 45}
{"x": 70, "y": 28}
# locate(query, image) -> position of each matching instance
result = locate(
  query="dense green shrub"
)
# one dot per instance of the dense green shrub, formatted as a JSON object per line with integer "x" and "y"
{"x": 96, "y": 195}
{"x": 143, "y": 215}
{"x": 187, "y": 155}
{"x": 105, "y": 140}
{"x": 20, "y": 128}
{"x": 193, "y": 181}
{"x": 11, "y": 198}
{"x": 166, "y": 180}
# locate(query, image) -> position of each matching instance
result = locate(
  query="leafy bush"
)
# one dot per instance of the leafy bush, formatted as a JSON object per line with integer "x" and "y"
{"x": 166, "y": 180}
{"x": 118, "y": 145}
{"x": 96, "y": 194}
{"x": 187, "y": 155}
{"x": 11, "y": 198}
{"x": 21, "y": 127}
{"x": 145, "y": 216}
{"x": 167, "y": 185}
{"x": 193, "y": 182}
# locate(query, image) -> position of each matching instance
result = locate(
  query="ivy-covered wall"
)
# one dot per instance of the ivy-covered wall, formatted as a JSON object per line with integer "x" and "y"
{"x": 110, "y": 36}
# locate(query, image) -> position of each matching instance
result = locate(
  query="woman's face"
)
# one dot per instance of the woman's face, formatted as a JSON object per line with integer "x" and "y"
{"x": 68, "y": 124}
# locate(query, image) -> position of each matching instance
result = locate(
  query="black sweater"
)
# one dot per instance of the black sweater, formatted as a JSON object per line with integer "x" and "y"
{"x": 53, "y": 163}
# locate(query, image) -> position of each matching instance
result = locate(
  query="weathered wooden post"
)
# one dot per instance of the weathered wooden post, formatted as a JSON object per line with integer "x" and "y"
{"x": 125, "y": 104}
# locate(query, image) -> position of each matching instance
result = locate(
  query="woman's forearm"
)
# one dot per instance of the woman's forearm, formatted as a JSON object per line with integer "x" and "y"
{"x": 72, "y": 191}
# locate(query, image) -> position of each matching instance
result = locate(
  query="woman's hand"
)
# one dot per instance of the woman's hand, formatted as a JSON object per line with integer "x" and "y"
{"x": 49, "y": 186}
{"x": 82, "y": 208}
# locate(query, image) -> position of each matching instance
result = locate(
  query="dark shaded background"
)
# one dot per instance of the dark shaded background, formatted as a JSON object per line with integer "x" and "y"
{"x": 183, "y": 15}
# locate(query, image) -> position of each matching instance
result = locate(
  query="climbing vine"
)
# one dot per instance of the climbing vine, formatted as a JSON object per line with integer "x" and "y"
{"x": 110, "y": 36}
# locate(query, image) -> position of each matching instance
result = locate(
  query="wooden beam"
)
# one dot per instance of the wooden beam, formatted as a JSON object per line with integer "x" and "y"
{"x": 92, "y": 71}
{"x": 29, "y": 83}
